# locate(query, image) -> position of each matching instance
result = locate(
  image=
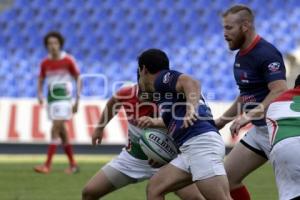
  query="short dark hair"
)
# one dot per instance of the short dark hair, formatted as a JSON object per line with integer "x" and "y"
{"x": 238, "y": 8}
{"x": 54, "y": 34}
{"x": 138, "y": 75}
{"x": 297, "y": 82}
{"x": 154, "y": 60}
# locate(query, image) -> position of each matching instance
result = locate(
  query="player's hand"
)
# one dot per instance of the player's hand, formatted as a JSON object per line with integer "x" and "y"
{"x": 97, "y": 136}
{"x": 191, "y": 116}
{"x": 145, "y": 122}
{"x": 40, "y": 99}
{"x": 75, "y": 107}
{"x": 220, "y": 123}
{"x": 238, "y": 124}
{"x": 154, "y": 164}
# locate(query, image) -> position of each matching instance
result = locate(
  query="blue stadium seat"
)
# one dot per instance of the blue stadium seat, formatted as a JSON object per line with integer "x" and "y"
{"x": 106, "y": 36}
{"x": 38, "y": 4}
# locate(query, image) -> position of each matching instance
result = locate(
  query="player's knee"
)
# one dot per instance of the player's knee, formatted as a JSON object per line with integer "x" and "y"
{"x": 57, "y": 126}
{"x": 88, "y": 194}
{"x": 234, "y": 179}
{"x": 234, "y": 182}
{"x": 190, "y": 196}
{"x": 152, "y": 190}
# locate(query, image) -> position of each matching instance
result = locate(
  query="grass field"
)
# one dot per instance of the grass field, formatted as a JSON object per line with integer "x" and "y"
{"x": 19, "y": 182}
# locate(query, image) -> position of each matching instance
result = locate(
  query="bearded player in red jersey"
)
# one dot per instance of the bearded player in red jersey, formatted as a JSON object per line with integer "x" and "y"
{"x": 60, "y": 70}
{"x": 131, "y": 165}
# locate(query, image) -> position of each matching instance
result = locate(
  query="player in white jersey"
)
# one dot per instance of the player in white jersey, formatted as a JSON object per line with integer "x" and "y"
{"x": 59, "y": 69}
{"x": 283, "y": 120}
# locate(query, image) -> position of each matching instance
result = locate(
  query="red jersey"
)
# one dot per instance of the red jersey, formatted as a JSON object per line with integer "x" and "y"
{"x": 62, "y": 70}
{"x": 134, "y": 108}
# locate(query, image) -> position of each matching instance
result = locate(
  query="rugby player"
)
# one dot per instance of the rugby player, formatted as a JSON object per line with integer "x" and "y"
{"x": 189, "y": 121}
{"x": 131, "y": 165}
{"x": 60, "y": 69}
{"x": 283, "y": 120}
{"x": 259, "y": 72}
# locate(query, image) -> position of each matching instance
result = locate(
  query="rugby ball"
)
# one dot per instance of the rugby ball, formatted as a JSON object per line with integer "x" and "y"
{"x": 158, "y": 146}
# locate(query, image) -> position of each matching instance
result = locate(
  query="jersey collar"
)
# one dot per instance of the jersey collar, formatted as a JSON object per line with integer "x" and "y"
{"x": 250, "y": 47}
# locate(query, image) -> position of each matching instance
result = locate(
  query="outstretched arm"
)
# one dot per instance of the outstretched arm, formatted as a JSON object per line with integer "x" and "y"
{"x": 229, "y": 115}
{"x": 111, "y": 109}
{"x": 276, "y": 88}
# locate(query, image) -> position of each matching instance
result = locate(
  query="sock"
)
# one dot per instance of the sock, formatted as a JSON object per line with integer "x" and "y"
{"x": 69, "y": 151}
{"x": 51, "y": 152}
{"x": 240, "y": 193}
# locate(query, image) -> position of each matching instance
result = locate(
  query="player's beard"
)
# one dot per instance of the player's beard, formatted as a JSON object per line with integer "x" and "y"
{"x": 238, "y": 42}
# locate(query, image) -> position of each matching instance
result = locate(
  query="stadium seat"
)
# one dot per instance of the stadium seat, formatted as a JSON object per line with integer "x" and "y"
{"x": 106, "y": 37}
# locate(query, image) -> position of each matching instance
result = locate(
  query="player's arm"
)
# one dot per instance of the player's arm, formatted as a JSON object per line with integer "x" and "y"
{"x": 78, "y": 91}
{"x": 191, "y": 88}
{"x": 276, "y": 88}
{"x": 41, "y": 79}
{"x": 229, "y": 115}
{"x": 40, "y": 89}
{"x": 146, "y": 122}
{"x": 111, "y": 109}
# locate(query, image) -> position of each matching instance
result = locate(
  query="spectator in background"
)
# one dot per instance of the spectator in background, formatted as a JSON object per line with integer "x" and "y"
{"x": 60, "y": 69}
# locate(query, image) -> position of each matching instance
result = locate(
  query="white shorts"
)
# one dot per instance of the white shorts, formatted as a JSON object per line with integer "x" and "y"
{"x": 60, "y": 110}
{"x": 132, "y": 167}
{"x": 257, "y": 140}
{"x": 285, "y": 160}
{"x": 202, "y": 156}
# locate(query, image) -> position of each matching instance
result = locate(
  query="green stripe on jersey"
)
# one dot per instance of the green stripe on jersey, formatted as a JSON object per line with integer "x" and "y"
{"x": 58, "y": 92}
{"x": 289, "y": 127}
{"x": 136, "y": 151}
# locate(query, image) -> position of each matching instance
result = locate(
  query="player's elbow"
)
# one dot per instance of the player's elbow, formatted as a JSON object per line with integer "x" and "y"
{"x": 278, "y": 87}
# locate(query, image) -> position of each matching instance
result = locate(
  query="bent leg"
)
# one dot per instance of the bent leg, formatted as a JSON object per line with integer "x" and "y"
{"x": 240, "y": 162}
{"x": 105, "y": 181}
{"x": 190, "y": 192}
{"x": 168, "y": 179}
{"x": 220, "y": 187}
{"x": 98, "y": 186}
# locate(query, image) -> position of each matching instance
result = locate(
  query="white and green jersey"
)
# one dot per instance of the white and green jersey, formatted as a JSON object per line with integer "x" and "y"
{"x": 133, "y": 108}
{"x": 283, "y": 116}
{"x": 59, "y": 74}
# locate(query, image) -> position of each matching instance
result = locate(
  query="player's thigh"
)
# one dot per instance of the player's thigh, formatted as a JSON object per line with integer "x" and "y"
{"x": 168, "y": 179}
{"x": 190, "y": 192}
{"x": 240, "y": 162}
{"x": 214, "y": 188}
{"x": 98, "y": 186}
{"x": 286, "y": 166}
{"x": 56, "y": 128}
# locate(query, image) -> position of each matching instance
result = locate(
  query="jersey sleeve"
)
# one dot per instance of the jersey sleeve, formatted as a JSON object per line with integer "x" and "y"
{"x": 74, "y": 70}
{"x": 125, "y": 93}
{"x": 166, "y": 81}
{"x": 273, "y": 67}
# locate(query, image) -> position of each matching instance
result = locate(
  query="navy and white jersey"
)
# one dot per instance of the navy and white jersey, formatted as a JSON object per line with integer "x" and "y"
{"x": 173, "y": 108}
{"x": 254, "y": 68}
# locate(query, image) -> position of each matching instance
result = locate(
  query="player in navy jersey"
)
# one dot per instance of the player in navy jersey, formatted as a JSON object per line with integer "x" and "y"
{"x": 260, "y": 75}
{"x": 189, "y": 121}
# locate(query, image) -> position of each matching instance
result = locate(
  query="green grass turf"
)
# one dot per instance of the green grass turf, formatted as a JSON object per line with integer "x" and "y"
{"x": 19, "y": 182}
